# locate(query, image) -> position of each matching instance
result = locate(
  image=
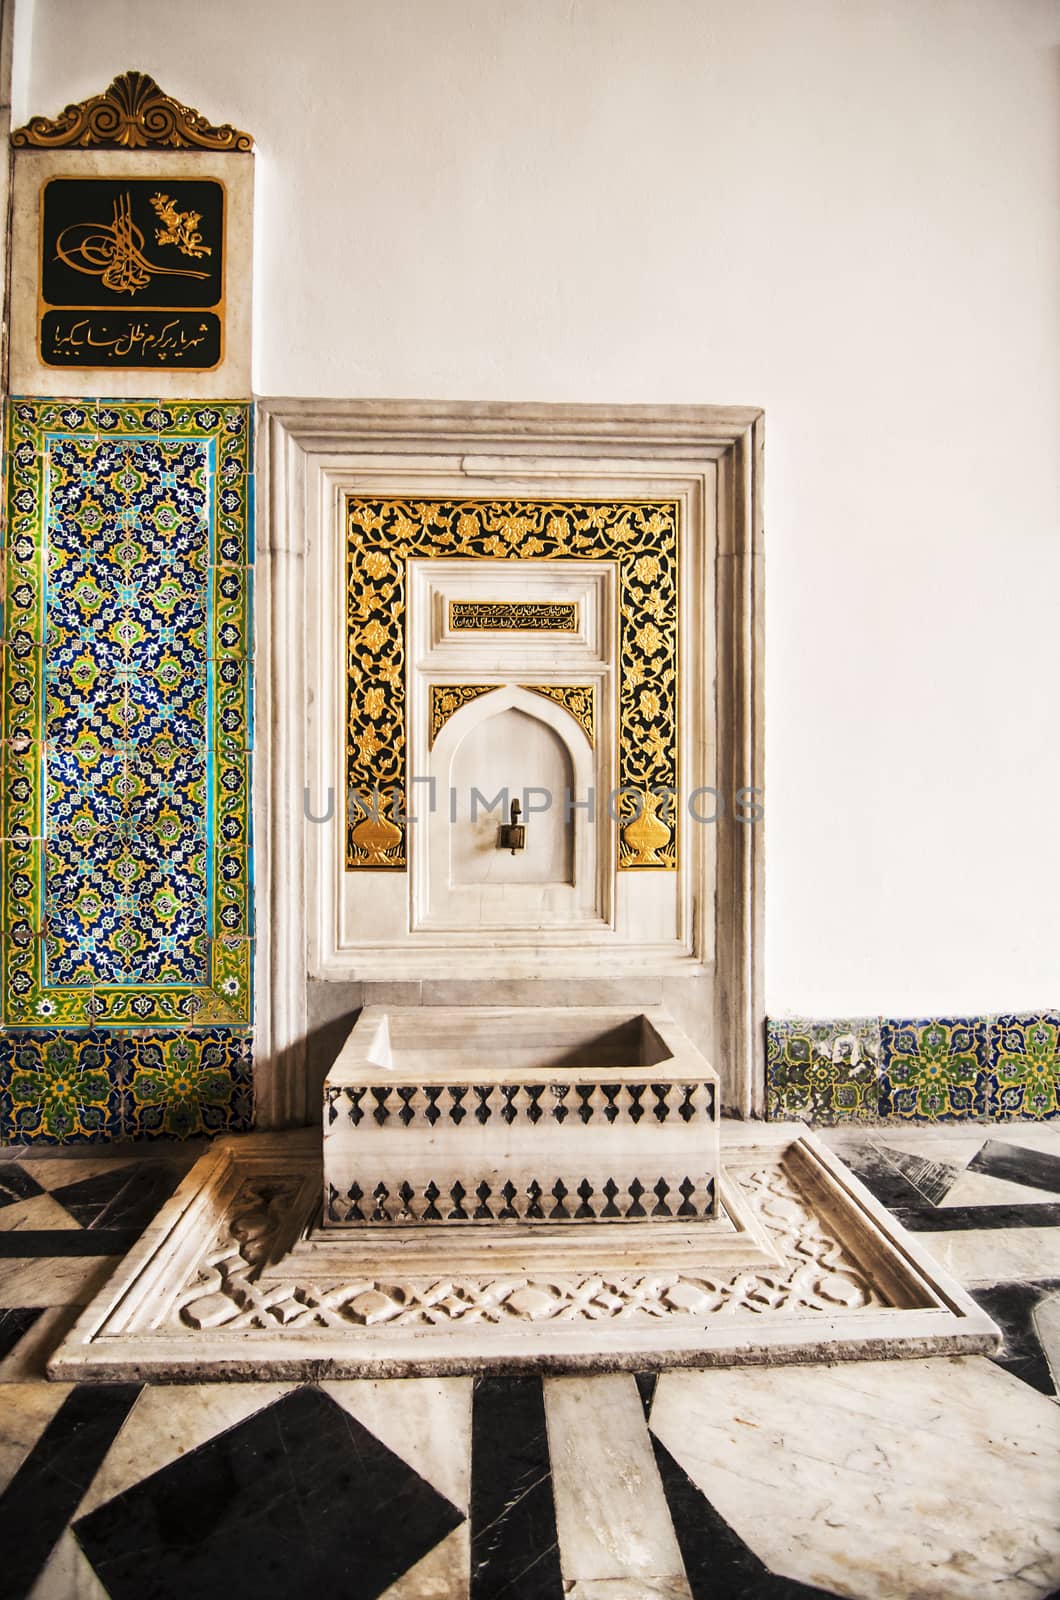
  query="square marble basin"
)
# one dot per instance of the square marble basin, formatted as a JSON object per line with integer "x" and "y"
{"x": 446, "y": 1115}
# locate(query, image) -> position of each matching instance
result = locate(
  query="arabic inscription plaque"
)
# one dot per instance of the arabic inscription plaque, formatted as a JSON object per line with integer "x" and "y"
{"x": 132, "y": 272}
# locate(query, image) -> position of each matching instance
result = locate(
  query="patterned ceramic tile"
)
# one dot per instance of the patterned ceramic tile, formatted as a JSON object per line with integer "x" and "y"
{"x": 822, "y": 1071}
{"x": 61, "y": 1087}
{"x": 82, "y": 1086}
{"x": 1024, "y": 1061}
{"x": 934, "y": 1068}
{"x": 183, "y": 1084}
{"x": 125, "y": 740}
{"x": 939, "y": 1069}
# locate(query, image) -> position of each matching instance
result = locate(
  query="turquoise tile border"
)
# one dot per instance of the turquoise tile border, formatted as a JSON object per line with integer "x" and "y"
{"x": 989, "y": 1068}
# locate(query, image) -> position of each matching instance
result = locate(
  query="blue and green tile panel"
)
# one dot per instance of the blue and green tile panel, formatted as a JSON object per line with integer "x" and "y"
{"x": 993, "y": 1068}
{"x": 125, "y": 749}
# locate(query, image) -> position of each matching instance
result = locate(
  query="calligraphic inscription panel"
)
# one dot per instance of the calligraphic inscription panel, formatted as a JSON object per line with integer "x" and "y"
{"x": 125, "y": 869}
{"x": 643, "y": 537}
{"x": 520, "y": 616}
{"x": 132, "y": 272}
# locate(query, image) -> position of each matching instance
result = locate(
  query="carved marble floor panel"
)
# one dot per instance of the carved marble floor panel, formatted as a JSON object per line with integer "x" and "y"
{"x": 930, "y": 1479}
{"x": 237, "y": 1276}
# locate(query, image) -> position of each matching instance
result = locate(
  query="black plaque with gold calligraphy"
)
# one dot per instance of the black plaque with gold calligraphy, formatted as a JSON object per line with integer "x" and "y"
{"x": 132, "y": 272}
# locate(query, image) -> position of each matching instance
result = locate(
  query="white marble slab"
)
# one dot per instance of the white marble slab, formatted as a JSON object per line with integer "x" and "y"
{"x": 1046, "y": 1321}
{"x": 939, "y": 1479}
{"x": 68, "y": 1574}
{"x": 995, "y": 1255}
{"x": 39, "y": 1213}
{"x": 57, "y": 1172}
{"x": 980, "y": 1189}
{"x": 425, "y": 1421}
{"x": 54, "y": 1280}
{"x": 25, "y": 1411}
{"x": 615, "y": 1533}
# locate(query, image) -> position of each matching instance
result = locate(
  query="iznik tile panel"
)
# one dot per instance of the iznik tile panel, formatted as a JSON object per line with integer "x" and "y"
{"x": 126, "y": 769}
{"x": 918, "y": 1069}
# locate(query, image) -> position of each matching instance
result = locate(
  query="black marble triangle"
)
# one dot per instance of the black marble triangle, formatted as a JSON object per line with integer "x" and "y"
{"x": 13, "y": 1324}
{"x": 646, "y": 1382}
{"x": 297, "y": 1499}
{"x": 932, "y": 1179}
{"x": 1015, "y": 1163}
{"x": 1012, "y": 1306}
{"x": 128, "y": 1197}
{"x": 16, "y": 1184}
{"x": 718, "y": 1564}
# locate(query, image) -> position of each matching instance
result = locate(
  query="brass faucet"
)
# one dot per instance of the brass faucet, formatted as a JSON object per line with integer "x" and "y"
{"x": 512, "y": 835}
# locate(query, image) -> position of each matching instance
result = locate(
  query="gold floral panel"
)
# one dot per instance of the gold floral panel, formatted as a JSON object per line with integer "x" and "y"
{"x": 449, "y": 698}
{"x": 577, "y": 698}
{"x": 643, "y": 537}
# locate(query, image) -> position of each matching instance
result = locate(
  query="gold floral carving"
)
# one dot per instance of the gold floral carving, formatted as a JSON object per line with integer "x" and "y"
{"x": 641, "y": 536}
{"x": 448, "y": 698}
{"x": 577, "y": 698}
{"x": 648, "y": 835}
{"x": 133, "y": 114}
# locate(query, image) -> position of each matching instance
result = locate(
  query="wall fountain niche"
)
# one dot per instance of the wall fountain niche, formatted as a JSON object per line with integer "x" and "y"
{"x": 422, "y": 550}
{"x": 537, "y": 768}
{"x": 542, "y": 666}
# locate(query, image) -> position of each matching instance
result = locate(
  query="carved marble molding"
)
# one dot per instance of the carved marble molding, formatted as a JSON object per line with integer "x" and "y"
{"x": 132, "y": 114}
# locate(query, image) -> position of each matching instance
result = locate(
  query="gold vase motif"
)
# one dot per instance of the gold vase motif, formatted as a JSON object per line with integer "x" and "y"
{"x": 378, "y": 838}
{"x": 647, "y": 833}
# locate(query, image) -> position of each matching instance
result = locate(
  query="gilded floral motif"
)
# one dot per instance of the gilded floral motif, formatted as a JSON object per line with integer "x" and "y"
{"x": 644, "y": 537}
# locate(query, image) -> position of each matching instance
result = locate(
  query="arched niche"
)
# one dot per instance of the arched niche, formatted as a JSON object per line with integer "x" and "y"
{"x": 517, "y": 755}
{"x": 511, "y": 739}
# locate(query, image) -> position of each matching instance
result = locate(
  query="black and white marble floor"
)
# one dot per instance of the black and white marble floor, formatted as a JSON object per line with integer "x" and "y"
{"x": 886, "y": 1480}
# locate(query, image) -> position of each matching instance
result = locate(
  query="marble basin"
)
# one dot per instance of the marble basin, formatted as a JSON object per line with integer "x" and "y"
{"x": 487, "y": 1115}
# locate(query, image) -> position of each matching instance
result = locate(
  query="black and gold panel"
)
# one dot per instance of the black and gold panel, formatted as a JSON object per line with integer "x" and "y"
{"x": 643, "y": 537}
{"x": 132, "y": 272}
{"x": 519, "y": 616}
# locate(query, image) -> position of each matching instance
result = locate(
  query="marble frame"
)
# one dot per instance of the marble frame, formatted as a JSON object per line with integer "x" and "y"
{"x": 716, "y": 453}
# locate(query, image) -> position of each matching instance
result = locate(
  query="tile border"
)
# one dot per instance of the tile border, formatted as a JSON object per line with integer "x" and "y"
{"x": 993, "y": 1067}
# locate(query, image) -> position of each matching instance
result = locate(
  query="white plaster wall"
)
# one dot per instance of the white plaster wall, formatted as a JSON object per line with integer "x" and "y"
{"x": 845, "y": 211}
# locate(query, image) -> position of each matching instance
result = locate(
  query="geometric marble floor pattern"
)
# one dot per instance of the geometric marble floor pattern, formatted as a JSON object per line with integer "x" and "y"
{"x": 881, "y": 1479}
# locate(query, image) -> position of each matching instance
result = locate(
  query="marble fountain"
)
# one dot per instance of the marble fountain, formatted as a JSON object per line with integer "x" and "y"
{"x": 517, "y": 1189}
{"x": 549, "y": 1183}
